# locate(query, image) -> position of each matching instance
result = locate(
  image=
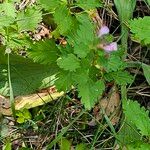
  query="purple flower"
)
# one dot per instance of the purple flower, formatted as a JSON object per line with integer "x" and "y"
{"x": 103, "y": 30}
{"x": 110, "y": 47}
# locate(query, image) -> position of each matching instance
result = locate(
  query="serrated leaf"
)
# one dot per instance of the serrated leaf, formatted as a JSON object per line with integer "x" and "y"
{"x": 8, "y": 9}
{"x": 120, "y": 77}
{"x": 70, "y": 62}
{"x": 44, "y": 52}
{"x": 5, "y": 21}
{"x": 114, "y": 63}
{"x": 90, "y": 92}
{"x": 128, "y": 133}
{"x": 141, "y": 29}
{"x": 49, "y": 5}
{"x": 146, "y": 69}
{"x": 83, "y": 37}
{"x": 63, "y": 19}
{"x": 64, "y": 81}
{"x": 27, "y": 20}
{"x": 88, "y": 4}
{"x": 138, "y": 116}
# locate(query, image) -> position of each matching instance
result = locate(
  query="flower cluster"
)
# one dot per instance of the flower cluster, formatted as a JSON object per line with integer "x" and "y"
{"x": 108, "y": 47}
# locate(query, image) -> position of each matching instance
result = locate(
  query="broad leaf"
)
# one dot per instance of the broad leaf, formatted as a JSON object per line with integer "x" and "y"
{"x": 138, "y": 116}
{"x": 70, "y": 62}
{"x": 114, "y": 63}
{"x": 120, "y": 77}
{"x": 44, "y": 52}
{"x": 27, "y": 20}
{"x": 88, "y": 4}
{"x": 63, "y": 19}
{"x": 146, "y": 69}
{"x": 64, "y": 81}
{"x": 83, "y": 37}
{"x": 90, "y": 92}
{"x": 49, "y": 5}
{"x": 26, "y": 76}
{"x": 8, "y": 9}
{"x": 141, "y": 29}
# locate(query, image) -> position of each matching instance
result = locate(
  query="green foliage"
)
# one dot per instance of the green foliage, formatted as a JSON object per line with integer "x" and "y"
{"x": 81, "y": 146}
{"x": 49, "y": 5}
{"x": 128, "y": 134}
{"x": 65, "y": 144}
{"x": 23, "y": 116}
{"x": 133, "y": 110}
{"x": 88, "y": 4}
{"x": 27, "y": 20}
{"x": 47, "y": 51}
{"x": 83, "y": 37}
{"x": 146, "y": 69}
{"x": 26, "y": 76}
{"x": 65, "y": 62}
{"x": 63, "y": 19}
{"x": 120, "y": 77}
{"x": 125, "y": 9}
{"x": 89, "y": 92}
{"x": 141, "y": 29}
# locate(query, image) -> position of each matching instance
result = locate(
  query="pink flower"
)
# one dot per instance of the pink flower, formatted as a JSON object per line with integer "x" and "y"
{"x": 103, "y": 30}
{"x": 110, "y": 47}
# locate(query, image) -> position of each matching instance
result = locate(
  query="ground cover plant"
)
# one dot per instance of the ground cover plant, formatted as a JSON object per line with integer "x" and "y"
{"x": 74, "y": 74}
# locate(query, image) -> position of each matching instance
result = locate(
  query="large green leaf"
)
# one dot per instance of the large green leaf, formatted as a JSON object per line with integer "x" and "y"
{"x": 26, "y": 76}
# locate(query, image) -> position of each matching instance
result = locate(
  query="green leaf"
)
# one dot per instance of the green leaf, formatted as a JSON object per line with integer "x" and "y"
{"x": 114, "y": 63}
{"x": 7, "y": 146}
{"x": 8, "y": 9}
{"x": 70, "y": 62}
{"x": 5, "y": 21}
{"x": 27, "y": 20}
{"x": 63, "y": 19}
{"x": 138, "y": 146}
{"x": 26, "y": 76}
{"x": 49, "y": 5}
{"x": 44, "y": 52}
{"x": 65, "y": 144}
{"x": 81, "y": 146}
{"x": 138, "y": 116}
{"x": 128, "y": 133}
{"x": 90, "y": 92}
{"x": 120, "y": 77}
{"x": 83, "y": 37}
{"x": 88, "y": 4}
{"x": 64, "y": 81}
{"x": 141, "y": 29}
{"x": 146, "y": 69}
{"x": 125, "y": 9}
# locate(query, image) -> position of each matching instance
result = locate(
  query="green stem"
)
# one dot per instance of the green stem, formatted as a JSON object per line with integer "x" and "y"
{"x": 12, "y": 101}
{"x": 124, "y": 43}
